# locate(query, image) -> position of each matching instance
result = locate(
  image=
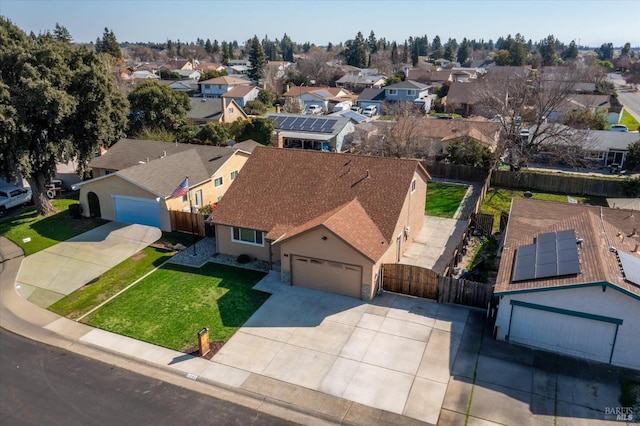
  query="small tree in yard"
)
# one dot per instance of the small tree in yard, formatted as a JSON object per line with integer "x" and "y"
{"x": 214, "y": 134}
{"x": 468, "y": 152}
{"x": 525, "y": 101}
{"x": 633, "y": 156}
{"x": 57, "y": 103}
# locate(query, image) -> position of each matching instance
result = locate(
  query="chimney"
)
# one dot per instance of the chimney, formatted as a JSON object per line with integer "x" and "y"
{"x": 279, "y": 139}
{"x": 277, "y": 108}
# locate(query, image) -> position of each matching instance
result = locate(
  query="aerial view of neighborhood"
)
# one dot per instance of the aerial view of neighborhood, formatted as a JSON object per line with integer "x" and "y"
{"x": 372, "y": 230}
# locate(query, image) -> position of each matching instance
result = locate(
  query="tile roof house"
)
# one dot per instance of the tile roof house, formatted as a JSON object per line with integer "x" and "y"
{"x": 328, "y": 221}
{"x": 569, "y": 280}
{"x": 320, "y": 133}
{"x": 218, "y": 86}
{"x": 214, "y": 110}
{"x": 133, "y": 181}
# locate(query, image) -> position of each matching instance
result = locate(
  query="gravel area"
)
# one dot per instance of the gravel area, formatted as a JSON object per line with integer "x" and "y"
{"x": 205, "y": 252}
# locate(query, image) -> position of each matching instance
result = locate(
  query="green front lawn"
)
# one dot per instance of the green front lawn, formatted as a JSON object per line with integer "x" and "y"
{"x": 629, "y": 121}
{"x": 443, "y": 199}
{"x": 498, "y": 200}
{"x": 171, "y": 305}
{"x": 46, "y": 231}
{"x": 111, "y": 282}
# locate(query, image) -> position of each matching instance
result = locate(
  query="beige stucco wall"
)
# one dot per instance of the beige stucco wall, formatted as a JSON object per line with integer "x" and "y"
{"x": 311, "y": 244}
{"x": 226, "y": 246}
{"x": 105, "y": 189}
{"x": 210, "y": 193}
{"x": 411, "y": 215}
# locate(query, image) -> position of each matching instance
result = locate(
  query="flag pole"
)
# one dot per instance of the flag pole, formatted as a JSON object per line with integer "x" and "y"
{"x": 191, "y": 215}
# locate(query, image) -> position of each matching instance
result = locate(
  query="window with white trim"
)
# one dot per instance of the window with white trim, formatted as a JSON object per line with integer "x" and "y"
{"x": 199, "y": 198}
{"x": 247, "y": 236}
{"x": 234, "y": 175}
{"x": 217, "y": 181}
{"x": 411, "y": 92}
{"x": 393, "y": 91}
{"x": 413, "y": 186}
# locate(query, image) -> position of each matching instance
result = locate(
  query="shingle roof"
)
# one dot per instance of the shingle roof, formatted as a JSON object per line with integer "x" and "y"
{"x": 408, "y": 84}
{"x": 238, "y": 92}
{"x": 205, "y": 108}
{"x": 600, "y": 228}
{"x": 371, "y": 95}
{"x": 226, "y": 81}
{"x": 280, "y": 190}
{"x": 127, "y": 153}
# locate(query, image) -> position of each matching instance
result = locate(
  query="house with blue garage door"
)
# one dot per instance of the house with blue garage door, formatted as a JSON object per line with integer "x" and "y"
{"x": 134, "y": 179}
{"x": 569, "y": 281}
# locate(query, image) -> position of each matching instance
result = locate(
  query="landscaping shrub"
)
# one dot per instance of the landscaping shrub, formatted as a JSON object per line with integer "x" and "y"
{"x": 243, "y": 258}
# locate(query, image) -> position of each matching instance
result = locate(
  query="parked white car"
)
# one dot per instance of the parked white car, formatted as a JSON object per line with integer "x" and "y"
{"x": 370, "y": 111}
{"x": 618, "y": 128}
{"x": 12, "y": 196}
{"x": 314, "y": 109}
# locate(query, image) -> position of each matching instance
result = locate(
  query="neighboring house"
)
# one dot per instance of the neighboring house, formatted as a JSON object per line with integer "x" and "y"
{"x": 372, "y": 97}
{"x": 428, "y": 77}
{"x": 193, "y": 75}
{"x": 216, "y": 87}
{"x": 324, "y": 97}
{"x": 188, "y": 87}
{"x": 209, "y": 67}
{"x": 327, "y": 221}
{"x": 242, "y": 94}
{"x": 144, "y": 75}
{"x": 134, "y": 180}
{"x": 410, "y": 91}
{"x": 178, "y": 64}
{"x": 569, "y": 281}
{"x": 278, "y": 68}
{"x": 431, "y": 136}
{"x": 462, "y": 98}
{"x": 362, "y": 79}
{"x": 208, "y": 110}
{"x": 320, "y": 133}
{"x": 354, "y": 117}
{"x": 580, "y": 102}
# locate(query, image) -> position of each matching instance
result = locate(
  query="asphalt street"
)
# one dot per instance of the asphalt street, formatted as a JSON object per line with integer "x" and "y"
{"x": 41, "y": 385}
{"x": 630, "y": 100}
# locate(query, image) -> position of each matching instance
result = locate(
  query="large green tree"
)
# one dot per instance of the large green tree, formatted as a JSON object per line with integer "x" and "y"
{"x": 57, "y": 104}
{"x": 257, "y": 58}
{"x": 356, "y": 51}
{"x": 469, "y": 152}
{"x": 156, "y": 106}
{"x": 633, "y": 156}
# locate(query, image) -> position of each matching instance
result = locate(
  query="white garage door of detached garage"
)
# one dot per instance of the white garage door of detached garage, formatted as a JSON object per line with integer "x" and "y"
{"x": 325, "y": 275}
{"x": 559, "y": 330}
{"x": 136, "y": 210}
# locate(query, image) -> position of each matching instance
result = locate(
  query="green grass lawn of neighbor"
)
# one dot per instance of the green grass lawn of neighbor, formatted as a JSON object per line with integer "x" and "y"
{"x": 629, "y": 121}
{"x": 46, "y": 231}
{"x": 498, "y": 200}
{"x": 171, "y": 305}
{"x": 443, "y": 199}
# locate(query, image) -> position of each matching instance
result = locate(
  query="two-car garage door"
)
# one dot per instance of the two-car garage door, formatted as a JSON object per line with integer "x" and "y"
{"x": 334, "y": 277}
{"x": 571, "y": 333}
{"x": 136, "y": 210}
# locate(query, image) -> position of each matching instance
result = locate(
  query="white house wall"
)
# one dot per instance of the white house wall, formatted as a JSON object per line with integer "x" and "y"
{"x": 590, "y": 300}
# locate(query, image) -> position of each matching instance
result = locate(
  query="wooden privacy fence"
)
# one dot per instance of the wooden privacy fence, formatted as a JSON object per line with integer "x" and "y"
{"x": 559, "y": 184}
{"x": 422, "y": 282}
{"x": 187, "y": 222}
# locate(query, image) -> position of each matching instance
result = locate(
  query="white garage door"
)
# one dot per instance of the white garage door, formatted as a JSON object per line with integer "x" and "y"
{"x": 136, "y": 210}
{"x": 325, "y": 275}
{"x": 591, "y": 338}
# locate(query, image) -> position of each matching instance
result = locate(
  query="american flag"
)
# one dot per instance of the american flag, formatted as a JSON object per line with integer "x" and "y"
{"x": 181, "y": 190}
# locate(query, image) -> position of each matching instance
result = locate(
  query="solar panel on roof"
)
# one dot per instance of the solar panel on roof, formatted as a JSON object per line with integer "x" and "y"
{"x": 553, "y": 254}
{"x": 630, "y": 267}
{"x": 323, "y": 93}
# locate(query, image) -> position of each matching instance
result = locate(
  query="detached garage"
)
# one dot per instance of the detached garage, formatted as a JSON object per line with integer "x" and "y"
{"x": 137, "y": 210}
{"x": 334, "y": 277}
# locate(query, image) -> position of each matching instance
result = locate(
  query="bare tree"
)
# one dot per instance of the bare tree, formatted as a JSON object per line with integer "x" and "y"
{"x": 293, "y": 105}
{"x": 527, "y": 106}
{"x": 381, "y": 60}
{"x": 318, "y": 66}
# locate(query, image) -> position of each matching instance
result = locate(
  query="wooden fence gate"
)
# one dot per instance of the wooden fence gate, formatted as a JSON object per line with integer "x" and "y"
{"x": 422, "y": 282}
{"x": 192, "y": 223}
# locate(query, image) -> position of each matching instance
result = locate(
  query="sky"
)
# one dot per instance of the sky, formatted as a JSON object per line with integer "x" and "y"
{"x": 588, "y": 22}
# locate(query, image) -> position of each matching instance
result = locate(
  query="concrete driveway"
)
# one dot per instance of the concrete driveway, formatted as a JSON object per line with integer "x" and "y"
{"x": 394, "y": 353}
{"x": 57, "y": 271}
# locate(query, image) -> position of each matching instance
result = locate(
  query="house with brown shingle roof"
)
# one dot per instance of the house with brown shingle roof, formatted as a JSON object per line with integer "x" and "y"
{"x": 327, "y": 221}
{"x": 569, "y": 281}
{"x": 218, "y": 86}
{"x": 134, "y": 179}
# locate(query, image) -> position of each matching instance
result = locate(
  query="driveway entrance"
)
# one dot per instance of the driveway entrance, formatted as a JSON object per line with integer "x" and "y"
{"x": 51, "y": 274}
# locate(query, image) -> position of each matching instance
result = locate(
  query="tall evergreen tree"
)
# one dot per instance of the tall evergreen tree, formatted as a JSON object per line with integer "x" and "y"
{"x": 547, "y": 50}
{"x": 463, "y": 51}
{"x": 394, "y": 53}
{"x": 571, "y": 52}
{"x": 60, "y": 33}
{"x": 258, "y": 59}
{"x": 356, "y": 52}
{"x": 437, "y": 51}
